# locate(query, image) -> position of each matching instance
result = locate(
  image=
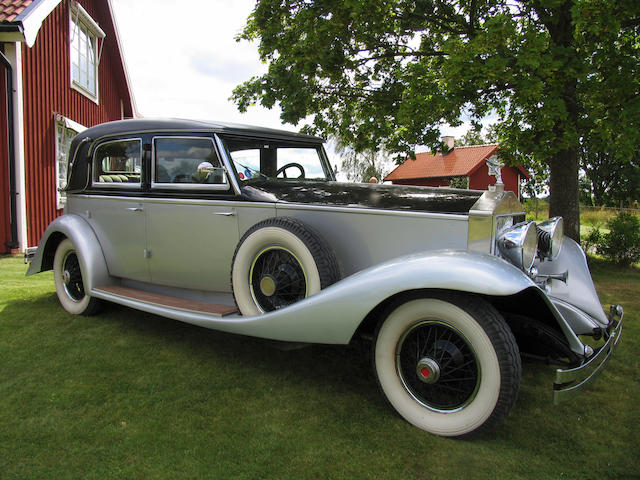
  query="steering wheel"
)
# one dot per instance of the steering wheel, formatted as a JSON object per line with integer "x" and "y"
{"x": 282, "y": 169}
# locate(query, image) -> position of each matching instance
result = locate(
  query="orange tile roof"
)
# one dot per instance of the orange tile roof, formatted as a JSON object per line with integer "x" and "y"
{"x": 10, "y": 9}
{"x": 460, "y": 161}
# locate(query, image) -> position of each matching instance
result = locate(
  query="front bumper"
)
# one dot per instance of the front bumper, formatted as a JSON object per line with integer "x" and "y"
{"x": 570, "y": 382}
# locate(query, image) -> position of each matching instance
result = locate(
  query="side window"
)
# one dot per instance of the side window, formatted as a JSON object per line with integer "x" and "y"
{"x": 180, "y": 161}
{"x": 118, "y": 163}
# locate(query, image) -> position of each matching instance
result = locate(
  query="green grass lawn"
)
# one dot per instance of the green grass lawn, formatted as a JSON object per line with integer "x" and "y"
{"x": 133, "y": 396}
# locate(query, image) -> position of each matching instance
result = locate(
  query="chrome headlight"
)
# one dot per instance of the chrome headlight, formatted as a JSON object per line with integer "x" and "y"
{"x": 519, "y": 244}
{"x": 550, "y": 236}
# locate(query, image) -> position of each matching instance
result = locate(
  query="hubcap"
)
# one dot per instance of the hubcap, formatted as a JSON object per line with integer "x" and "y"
{"x": 437, "y": 366}
{"x": 268, "y": 285}
{"x": 428, "y": 370}
{"x": 277, "y": 279}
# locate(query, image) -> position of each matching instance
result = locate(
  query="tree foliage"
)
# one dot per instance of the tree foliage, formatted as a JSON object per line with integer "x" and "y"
{"x": 392, "y": 72}
{"x": 364, "y": 165}
{"x": 611, "y": 178}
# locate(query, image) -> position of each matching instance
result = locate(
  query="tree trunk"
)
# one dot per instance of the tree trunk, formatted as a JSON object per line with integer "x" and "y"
{"x": 564, "y": 198}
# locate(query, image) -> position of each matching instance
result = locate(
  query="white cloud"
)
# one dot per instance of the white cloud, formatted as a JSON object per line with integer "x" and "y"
{"x": 184, "y": 61}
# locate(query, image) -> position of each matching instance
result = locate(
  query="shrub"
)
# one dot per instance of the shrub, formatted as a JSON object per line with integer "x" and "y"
{"x": 592, "y": 240}
{"x": 622, "y": 243}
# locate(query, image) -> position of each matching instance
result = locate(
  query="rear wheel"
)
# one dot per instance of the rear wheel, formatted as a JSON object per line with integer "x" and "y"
{"x": 448, "y": 364}
{"x": 69, "y": 282}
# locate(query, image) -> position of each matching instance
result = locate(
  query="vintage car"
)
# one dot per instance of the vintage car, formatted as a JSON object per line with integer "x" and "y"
{"x": 246, "y": 230}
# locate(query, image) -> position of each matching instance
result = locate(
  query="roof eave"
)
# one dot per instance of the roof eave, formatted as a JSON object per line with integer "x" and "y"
{"x": 11, "y": 33}
{"x": 30, "y": 20}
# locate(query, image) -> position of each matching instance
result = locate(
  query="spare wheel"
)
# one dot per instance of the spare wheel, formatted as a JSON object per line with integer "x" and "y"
{"x": 280, "y": 261}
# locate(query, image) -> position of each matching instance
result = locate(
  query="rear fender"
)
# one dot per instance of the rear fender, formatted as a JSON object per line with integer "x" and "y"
{"x": 88, "y": 249}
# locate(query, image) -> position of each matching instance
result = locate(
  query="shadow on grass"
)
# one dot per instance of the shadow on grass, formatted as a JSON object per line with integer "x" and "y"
{"x": 341, "y": 369}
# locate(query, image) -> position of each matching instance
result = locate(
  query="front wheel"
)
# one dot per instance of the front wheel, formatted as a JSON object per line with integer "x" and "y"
{"x": 68, "y": 279}
{"x": 448, "y": 364}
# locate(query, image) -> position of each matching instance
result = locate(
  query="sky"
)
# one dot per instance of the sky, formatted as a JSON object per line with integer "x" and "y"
{"x": 185, "y": 62}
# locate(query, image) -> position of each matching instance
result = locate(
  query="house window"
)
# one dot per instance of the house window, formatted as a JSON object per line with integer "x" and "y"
{"x": 86, "y": 42}
{"x": 65, "y": 131}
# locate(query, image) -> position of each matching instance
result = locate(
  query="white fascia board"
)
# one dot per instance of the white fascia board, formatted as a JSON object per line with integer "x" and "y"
{"x": 134, "y": 107}
{"x": 32, "y": 18}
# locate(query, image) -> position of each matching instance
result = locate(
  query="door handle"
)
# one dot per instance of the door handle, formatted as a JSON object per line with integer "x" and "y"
{"x": 135, "y": 209}
{"x": 225, "y": 214}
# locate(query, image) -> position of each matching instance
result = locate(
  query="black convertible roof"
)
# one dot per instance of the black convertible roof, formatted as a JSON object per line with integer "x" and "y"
{"x": 176, "y": 125}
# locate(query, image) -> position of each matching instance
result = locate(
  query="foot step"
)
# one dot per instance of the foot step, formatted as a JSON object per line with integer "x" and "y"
{"x": 167, "y": 301}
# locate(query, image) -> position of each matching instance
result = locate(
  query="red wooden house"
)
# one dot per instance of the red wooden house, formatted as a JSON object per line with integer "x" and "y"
{"x": 61, "y": 71}
{"x": 468, "y": 163}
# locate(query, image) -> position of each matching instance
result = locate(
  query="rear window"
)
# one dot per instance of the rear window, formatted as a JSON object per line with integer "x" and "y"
{"x": 118, "y": 163}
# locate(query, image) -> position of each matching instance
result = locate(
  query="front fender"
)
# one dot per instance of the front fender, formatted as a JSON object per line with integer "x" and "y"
{"x": 88, "y": 249}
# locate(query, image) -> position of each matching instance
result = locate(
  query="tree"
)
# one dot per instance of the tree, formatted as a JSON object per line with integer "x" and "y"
{"x": 392, "y": 72}
{"x": 472, "y": 137}
{"x": 609, "y": 178}
{"x": 362, "y": 166}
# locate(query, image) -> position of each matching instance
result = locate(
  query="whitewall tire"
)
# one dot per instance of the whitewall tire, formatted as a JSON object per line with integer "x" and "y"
{"x": 69, "y": 281}
{"x": 280, "y": 261}
{"x": 448, "y": 364}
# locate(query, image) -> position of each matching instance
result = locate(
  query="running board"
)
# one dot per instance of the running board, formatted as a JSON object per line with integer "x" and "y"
{"x": 126, "y": 295}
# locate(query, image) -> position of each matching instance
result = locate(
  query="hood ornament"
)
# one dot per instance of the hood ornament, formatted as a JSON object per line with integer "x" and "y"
{"x": 495, "y": 167}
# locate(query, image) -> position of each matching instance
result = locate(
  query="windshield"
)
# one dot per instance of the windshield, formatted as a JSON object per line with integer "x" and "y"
{"x": 262, "y": 159}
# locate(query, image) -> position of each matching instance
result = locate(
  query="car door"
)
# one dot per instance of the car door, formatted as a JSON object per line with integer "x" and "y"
{"x": 115, "y": 208}
{"x": 192, "y": 223}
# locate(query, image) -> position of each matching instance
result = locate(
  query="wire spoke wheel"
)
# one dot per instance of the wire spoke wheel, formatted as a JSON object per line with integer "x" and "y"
{"x": 447, "y": 363}
{"x": 72, "y": 277}
{"x": 277, "y": 279}
{"x": 279, "y": 262}
{"x": 437, "y": 366}
{"x": 69, "y": 281}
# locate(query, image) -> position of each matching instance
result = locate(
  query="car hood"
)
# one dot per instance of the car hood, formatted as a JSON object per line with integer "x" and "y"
{"x": 362, "y": 195}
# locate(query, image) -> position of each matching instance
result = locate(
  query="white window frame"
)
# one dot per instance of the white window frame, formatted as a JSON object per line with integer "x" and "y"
{"x": 66, "y": 129}
{"x": 81, "y": 25}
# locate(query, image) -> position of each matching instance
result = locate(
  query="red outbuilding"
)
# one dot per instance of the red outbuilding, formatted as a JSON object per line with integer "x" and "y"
{"x": 61, "y": 71}
{"x": 466, "y": 163}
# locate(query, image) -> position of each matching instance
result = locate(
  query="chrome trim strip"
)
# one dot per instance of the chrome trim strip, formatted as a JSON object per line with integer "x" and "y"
{"x": 372, "y": 211}
{"x": 182, "y": 201}
{"x": 227, "y": 163}
{"x": 570, "y": 382}
{"x": 117, "y": 185}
